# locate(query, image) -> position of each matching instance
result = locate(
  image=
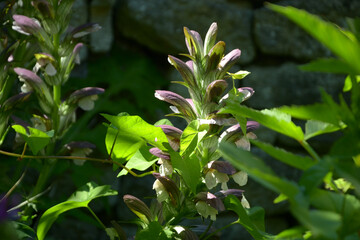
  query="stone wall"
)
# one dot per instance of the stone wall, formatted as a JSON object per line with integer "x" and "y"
{"x": 272, "y": 48}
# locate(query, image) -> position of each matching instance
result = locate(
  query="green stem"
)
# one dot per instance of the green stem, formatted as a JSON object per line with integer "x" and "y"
{"x": 96, "y": 217}
{"x": 207, "y": 230}
{"x": 55, "y": 113}
{"x": 310, "y": 150}
{"x": 220, "y": 229}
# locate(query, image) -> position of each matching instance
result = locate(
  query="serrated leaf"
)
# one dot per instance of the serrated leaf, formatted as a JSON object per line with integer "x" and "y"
{"x": 328, "y": 65}
{"x": 297, "y": 161}
{"x": 154, "y": 231}
{"x": 341, "y": 45}
{"x": 273, "y": 119}
{"x": 80, "y": 198}
{"x": 317, "y": 111}
{"x": 314, "y": 128}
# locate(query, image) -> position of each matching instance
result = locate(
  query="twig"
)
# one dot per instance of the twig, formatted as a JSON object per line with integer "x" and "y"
{"x": 14, "y": 186}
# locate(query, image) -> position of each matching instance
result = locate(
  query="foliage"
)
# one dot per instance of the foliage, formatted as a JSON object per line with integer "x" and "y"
{"x": 190, "y": 178}
{"x": 323, "y": 213}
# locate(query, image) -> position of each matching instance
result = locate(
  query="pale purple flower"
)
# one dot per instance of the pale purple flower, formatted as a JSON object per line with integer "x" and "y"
{"x": 208, "y": 205}
{"x": 214, "y": 90}
{"x": 138, "y": 207}
{"x": 25, "y": 25}
{"x": 178, "y": 101}
{"x": 166, "y": 189}
{"x": 80, "y": 149}
{"x": 173, "y": 135}
{"x": 158, "y": 153}
{"x": 85, "y": 97}
{"x": 185, "y": 71}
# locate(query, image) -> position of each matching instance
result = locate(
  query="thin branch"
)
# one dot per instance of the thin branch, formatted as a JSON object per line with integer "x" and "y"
{"x": 29, "y": 200}
{"x": 108, "y": 161}
{"x": 14, "y": 186}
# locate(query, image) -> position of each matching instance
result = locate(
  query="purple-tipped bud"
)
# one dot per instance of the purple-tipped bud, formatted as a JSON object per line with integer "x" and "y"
{"x": 178, "y": 101}
{"x": 215, "y": 90}
{"x": 138, "y": 207}
{"x": 215, "y": 55}
{"x": 44, "y": 8}
{"x": 171, "y": 131}
{"x": 173, "y": 135}
{"x": 185, "y": 71}
{"x": 230, "y": 59}
{"x": 170, "y": 187}
{"x": 25, "y": 25}
{"x": 85, "y": 29}
{"x": 252, "y": 126}
{"x": 210, "y": 37}
{"x": 158, "y": 153}
{"x": 212, "y": 200}
{"x": 84, "y": 92}
{"x": 28, "y": 75}
{"x": 221, "y": 166}
{"x": 16, "y": 99}
{"x": 225, "y": 193}
{"x": 247, "y": 91}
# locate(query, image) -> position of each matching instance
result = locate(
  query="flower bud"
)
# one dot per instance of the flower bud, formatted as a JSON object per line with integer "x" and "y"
{"x": 25, "y": 25}
{"x": 85, "y": 29}
{"x": 138, "y": 207}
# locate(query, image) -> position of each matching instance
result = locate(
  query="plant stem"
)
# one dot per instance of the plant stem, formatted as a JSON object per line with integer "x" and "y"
{"x": 310, "y": 150}
{"x": 96, "y": 217}
{"x": 207, "y": 230}
{"x": 107, "y": 161}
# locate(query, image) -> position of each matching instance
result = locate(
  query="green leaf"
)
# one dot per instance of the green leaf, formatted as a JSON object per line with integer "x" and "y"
{"x": 80, "y": 198}
{"x": 324, "y": 224}
{"x": 141, "y": 160}
{"x": 348, "y": 83}
{"x": 329, "y": 65}
{"x": 239, "y": 74}
{"x": 232, "y": 203}
{"x": 346, "y": 205}
{"x": 341, "y": 45}
{"x": 189, "y": 168}
{"x": 154, "y": 231}
{"x": 164, "y": 121}
{"x": 295, "y": 233}
{"x": 318, "y": 111}
{"x": 258, "y": 170}
{"x": 131, "y": 133}
{"x": 273, "y": 119}
{"x": 297, "y": 161}
{"x": 190, "y": 138}
{"x": 314, "y": 128}
{"x": 314, "y": 175}
{"x": 36, "y": 139}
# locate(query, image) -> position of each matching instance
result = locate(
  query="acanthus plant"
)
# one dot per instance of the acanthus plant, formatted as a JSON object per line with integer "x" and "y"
{"x": 42, "y": 57}
{"x": 188, "y": 169}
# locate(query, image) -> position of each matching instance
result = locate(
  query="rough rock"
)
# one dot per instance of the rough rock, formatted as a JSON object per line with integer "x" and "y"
{"x": 276, "y": 35}
{"x": 101, "y": 12}
{"x": 159, "y": 24}
{"x": 286, "y": 85}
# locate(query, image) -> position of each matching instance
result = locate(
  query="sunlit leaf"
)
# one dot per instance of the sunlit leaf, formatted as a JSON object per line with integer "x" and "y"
{"x": 327, "y": 33}
{"x": 80, "y": 198}
{"x": 189, "y": 168}
{"x": 327, "y": 65}
{"x": 36, "y": 139}
{"x": 314, "y": 128}
{"x": 273, "y": 119}
{"x": 300, "y": 162}
{"x": 141, "y": 160}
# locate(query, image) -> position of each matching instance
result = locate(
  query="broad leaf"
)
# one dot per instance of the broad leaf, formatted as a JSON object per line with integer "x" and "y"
{"x": 232, "y": 203}
{"x": 189, "y": 138}
{"x": 327, "y": 33}
{"x": 318, "y": 111}
{"x": 36, "y": 139}
{"x": 80, "y": 198}
{"x": 297, "y": 161}
{"x": 141, "y": 161}
{"x": 154, "y": 231}
{"x": 189, "y": 168}
{"x": 131, "y": 133}
{"x": 314, "y": 128}
{"x": 273, "y": 119}
{"x": 348, "y": 83}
